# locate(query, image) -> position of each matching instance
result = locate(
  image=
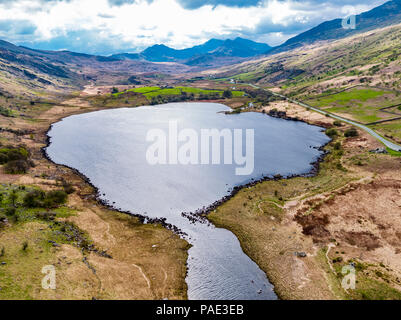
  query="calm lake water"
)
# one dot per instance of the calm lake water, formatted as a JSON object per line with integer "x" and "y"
{"x": 109, "y": 147}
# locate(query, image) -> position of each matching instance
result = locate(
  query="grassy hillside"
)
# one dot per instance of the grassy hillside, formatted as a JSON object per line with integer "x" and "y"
{"x": 358, "y": 77}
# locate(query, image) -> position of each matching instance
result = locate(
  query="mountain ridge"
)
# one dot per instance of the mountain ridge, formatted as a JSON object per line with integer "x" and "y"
{"x": 384, "y": 15}
{"x": 238, "y": 48}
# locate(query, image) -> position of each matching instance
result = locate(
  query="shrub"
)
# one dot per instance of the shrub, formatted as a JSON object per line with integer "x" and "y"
{"x": 337, "y": 123}
{"x": 337, "y": 146}
{"x": 12, "y": 154}
{"x": 10, "y": 212}
{"x": 34, "y": 199}
{"x": 332, "y": 133}
{"x": 68, "y": 188}
{"x": 25, "y": 246}
{"x": 114, "y": 90}
{"x": 16, "y": 167}
{"x": 55, "y": 198}
{"x": 40, "y": 199}
{"x": 3, "y": 158}
{"x": 351, "y": 133}
{"x": 13, "y": 197}
{"x": 227, "y": 94}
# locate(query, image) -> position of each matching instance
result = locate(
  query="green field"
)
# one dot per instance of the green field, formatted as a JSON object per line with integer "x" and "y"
{"x": 389, "y": 129}
{"x": 152, "y": 92}
{"x": 361, "y": 104}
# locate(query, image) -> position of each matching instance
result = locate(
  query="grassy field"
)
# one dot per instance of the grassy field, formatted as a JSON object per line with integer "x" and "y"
{"x": 389, "y": 129}
{"x": 38, "y": 237}
{"x": 25, "y": 245}
{"x": 151, "y": 92}
{"x": 361, "y": 104}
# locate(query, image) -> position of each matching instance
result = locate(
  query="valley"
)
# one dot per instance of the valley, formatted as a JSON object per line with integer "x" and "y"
{"x": 301, "y": 230}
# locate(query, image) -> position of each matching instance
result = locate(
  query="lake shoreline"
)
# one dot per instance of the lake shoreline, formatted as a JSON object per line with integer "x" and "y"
{"x": 201, "y": 212}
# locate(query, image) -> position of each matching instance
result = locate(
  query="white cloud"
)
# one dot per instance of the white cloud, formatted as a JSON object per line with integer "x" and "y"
{"x": 141, "y": 23}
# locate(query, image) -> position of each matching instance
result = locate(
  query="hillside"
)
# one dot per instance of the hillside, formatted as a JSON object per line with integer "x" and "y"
{"x": 349, "y": 61}
{"x": 28, "y": 71}
{"x": 357, "y": 77}
{"x": 385, "y": 15}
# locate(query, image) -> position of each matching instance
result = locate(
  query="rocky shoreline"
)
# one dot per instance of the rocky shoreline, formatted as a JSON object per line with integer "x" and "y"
{"x": 200, "y": 215}
{"x": 97, "y": 195}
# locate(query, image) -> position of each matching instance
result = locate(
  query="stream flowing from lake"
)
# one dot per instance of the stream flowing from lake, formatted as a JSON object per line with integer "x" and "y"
{"x": 109, "y": 147}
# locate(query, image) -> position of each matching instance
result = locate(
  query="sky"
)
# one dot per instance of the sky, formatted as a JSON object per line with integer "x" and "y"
{"x": 113, "y": 26}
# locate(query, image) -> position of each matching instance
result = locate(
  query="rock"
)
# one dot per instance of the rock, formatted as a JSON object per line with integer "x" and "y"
{"x": 379, "y": 151}
{"x": 301, "y": 254}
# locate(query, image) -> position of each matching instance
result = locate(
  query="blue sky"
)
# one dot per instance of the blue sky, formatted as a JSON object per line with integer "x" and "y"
{"x": 111, "y": 26}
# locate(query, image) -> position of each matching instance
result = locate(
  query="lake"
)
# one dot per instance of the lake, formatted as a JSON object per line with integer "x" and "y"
{"x": 110, "y": 148}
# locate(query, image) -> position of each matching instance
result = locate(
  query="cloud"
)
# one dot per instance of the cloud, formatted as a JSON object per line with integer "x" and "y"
{"x": 17, "y": 30}
{"x": 109, "y": 26}
{"x": 195, "y": 4}
{"x": 78, "y": 39}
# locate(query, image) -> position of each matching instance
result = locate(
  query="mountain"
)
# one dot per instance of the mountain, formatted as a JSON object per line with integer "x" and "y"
{"x": 385, "y": 15}
{"x": 29, "y": 71}
{"x": 212, "y": 49}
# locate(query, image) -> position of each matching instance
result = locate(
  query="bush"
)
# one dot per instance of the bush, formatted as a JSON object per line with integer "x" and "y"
{"x": 55, "y": 198}
{"x": 16, "y": 167}
{"x": 351, "y": 133}
{"x": 3, "y": 158}
{"x": 332, "y": 133}
{"x": 25, "y": 246}
{"x": 68, "y": 188}
{"x": 34, "y": 199}
{"x": 10, "y": 212}
{"x": 12, "y": 154}
{"x": 13, "y": 197}
{"x": 227, "y": 94}
{"x": 337, "y": 146}
{"x": 337, "y": 123}
{"x": 40, "y": 199}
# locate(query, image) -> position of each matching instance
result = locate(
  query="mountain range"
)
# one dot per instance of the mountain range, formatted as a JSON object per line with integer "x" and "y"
{"x": 214, "y": 48}
{"x": 33, "y": 70}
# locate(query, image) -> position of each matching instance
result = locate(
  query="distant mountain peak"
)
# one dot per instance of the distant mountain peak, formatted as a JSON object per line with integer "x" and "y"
{"x": 213, "y": 48}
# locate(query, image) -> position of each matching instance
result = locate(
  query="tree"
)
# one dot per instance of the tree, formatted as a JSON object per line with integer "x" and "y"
{"x": 351, "y": 133}
{"x": 114, "y": 90}
{"x": 331, "y": 133}
{"x": 227, "y": 94}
